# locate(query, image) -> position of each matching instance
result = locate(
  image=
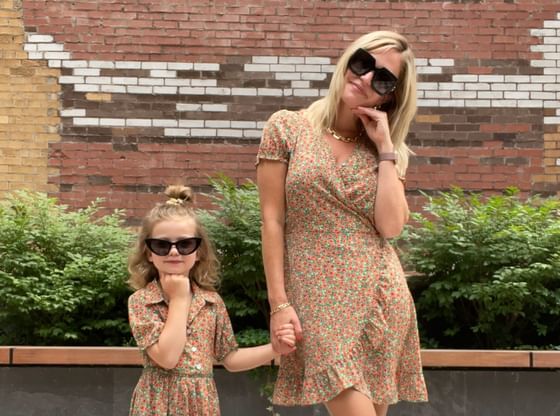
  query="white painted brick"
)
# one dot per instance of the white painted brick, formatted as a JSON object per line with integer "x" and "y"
{"x": 323, "y": 92}
{"x": 543, "y": 78}
{"x": 177, "y": 132}
{"x": 269, "y": 92}
{"x": 503, "y": 87}
{"x": 551, "y": 24}
{"x": 311, "y": 76}
{"x": 551, "y": 87}
{"x": 50, "y": 47}
{"x": 551, "y": 55}
{"x": 306, "y": 92}
{"x": 114, "y": 88}
{"x": 180, "y": 66}
{"x": 538, "y": 63}
{"x": 437, "y": 94}
{"x": 177, "y": 82}
{"x": 217, "y": 108}
{"x": 128, "y": 65}
{"x": 204, "y": 82}
{"x": 206, "y": 67}
{"x": 530, "y": 87}
{"x": 124, "y": 80}
{"x": 517, "y": 95}
{"x": 530, "y": 103}
{"x": 452, "y": 86}
{"x": 243, "y": 124}
{"x": 30, "y": 47}
{"x": 191, "y": 90}
{"x": 517, "y": 78}
{"x": 191, "y": 123}
{"x": 317, "y": 60}
{"x": 112, "y": 122}
{"x": 282, "y": 68}
{"x": 138, "y": 122}
{"x": 465, "y": 78}
{"x": 165, "y": 90}
{"x": 35, "y": 55}
{"x": 442, "y": 62}
{"x": 188, "y": 107}
{"x": 543, "y": 32}
{"x": 256, "y": 68}
{"x": 102, "y": 64}
{"x": 73, "y": 112}
{"x": 55, "y": 63}
{"x": 291, "y": 60}
{"x": 91, "y": 72}
{"x": 552, "y": 120}
{"x": 420, "y": 62}
{"x": 150, "y": 81}
{"x": 452, "y": 103}
{"x": 75, "y": 64}
{"x": 252, "y": 133}
{"x": 230, "y": 133}
{"x": 537, "y": 95}
{"x": 301, "y": 84}
{"x": 86, "y": 88}
{"x": 244, "y": 91}
{"x": 289, "y": 76}
{"x": 427, "y": 85}
{"x": 287, "y": 92}
{"x": 477, "y": 103}
{"x": 161, "y": 73}
{"x": 218, "y": 91}
{"x": 479, "y": 86}
{"x": 428, "y": 70}
{"x": 40, "y": 38}
{"x": 551, "y": 71}
{"x": 261, "y": 124}
{"x": 551, "y": 40}
{"x": 558, "y": 162}
{"x": 86, "y": 121}
{"x": 463, "y": 94}
{"x": 490, "y": 95}
{"x": 154, "y": 65}
{"x": 134, "y": 89}
{"x": 69, "y": 79}
{"x": 308, "y": 68}
{"x": 504, "y": 103}
{"x": 551, "y": 104}
{"x": 203, "y": 132}
{"x": 98, "y": 80}
{"x": 328, "y": 69}
{"x": 491, "y": 78}
{"x": 542, "y": 48}
{"x": 265, "y": 59}
{"x": 217, "y": 124}
{"x": 164, "y": 123}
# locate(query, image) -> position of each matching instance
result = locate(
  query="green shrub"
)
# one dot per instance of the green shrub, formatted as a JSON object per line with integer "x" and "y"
{"x": 234, "y": 228}
{"x": 62, "y": 274}
{"x": 489, "y": 270}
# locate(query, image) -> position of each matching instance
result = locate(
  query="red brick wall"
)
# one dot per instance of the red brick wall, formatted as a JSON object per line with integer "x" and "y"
{"x": 154, "y": 93}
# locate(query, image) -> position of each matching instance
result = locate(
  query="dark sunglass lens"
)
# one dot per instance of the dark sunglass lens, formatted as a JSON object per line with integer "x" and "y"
{"x": 361, "y": 62}
{"x": 188, "y": 245}
{"x": 383, "y": 82}
{"x": 159, "y": 247}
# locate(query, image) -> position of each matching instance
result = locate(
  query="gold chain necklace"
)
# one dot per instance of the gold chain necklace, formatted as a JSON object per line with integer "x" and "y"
{"x": 342, "y": 138}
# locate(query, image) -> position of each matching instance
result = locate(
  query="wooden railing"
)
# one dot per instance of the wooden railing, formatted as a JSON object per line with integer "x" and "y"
{"x": 130, "y": 356}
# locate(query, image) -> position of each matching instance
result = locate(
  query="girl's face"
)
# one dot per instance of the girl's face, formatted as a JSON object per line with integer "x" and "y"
{"x": 357, "y": 89}
{"x": 173, "y": 230}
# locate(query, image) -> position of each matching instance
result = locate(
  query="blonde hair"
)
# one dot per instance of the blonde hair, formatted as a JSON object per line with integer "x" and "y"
{"x": 322, "y": 113}
{"x": 179, "y": 206}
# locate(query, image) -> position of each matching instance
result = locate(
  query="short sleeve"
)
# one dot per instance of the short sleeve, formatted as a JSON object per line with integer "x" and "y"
{"x": 279, "y": 136}
{"x": 224, "y": 341}
{"x": 146, "y": 323}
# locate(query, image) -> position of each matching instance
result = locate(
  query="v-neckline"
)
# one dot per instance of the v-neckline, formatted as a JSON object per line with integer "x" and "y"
{"x": 329, "y": 149}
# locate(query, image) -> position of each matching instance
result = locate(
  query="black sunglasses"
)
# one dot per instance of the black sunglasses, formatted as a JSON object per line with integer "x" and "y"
{"x": 163, "y": 247}
{"x": 383, "y": 81}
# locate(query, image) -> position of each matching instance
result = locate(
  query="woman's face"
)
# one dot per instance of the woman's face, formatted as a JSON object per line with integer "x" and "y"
{"x": 357, "y": 90}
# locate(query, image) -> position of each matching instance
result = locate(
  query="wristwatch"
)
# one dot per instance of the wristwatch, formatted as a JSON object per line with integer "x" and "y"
{"x": 392, "y": 156}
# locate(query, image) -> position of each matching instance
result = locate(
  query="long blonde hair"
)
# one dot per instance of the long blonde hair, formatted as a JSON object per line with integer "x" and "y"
{"x": 322, "y": 113}
{"x": 178, "y": 206}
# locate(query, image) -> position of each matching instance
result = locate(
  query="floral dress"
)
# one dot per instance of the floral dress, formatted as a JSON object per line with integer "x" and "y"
{"x": 189, "y": 388}
{"x": 345, "y": 281}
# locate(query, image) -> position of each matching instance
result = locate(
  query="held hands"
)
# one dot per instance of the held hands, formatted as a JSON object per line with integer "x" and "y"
{"x": 376, "y": 124}
{"x": 285, "y": 331}
{"x": 175, "y": 286}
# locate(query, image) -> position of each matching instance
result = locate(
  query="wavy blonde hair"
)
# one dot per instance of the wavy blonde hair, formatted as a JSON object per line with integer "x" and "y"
{"x": 179, "y": 206}
{"x": 322, "y": 113}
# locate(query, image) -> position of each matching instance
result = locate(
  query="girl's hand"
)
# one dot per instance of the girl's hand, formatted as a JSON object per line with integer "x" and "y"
{"x": 287, "y": 316}
{"x": 286, "y": 335}
{"x": 376, "y": 124}
{"x": 175, "y": 286}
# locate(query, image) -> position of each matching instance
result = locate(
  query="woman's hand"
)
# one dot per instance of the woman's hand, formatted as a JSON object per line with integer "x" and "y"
{"x": 175, "y": 286}
{"x": 280, "y": 323}
{"x": 376, "y": 124}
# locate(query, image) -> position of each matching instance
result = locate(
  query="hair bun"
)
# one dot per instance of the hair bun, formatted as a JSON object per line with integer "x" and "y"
{"x": 179, "y": 194}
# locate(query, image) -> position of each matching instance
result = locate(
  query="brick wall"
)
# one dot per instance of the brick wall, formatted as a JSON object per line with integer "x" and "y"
{"x": 154, "y": 93}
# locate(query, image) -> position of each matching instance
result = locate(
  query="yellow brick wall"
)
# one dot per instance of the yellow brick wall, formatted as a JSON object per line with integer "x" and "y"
{"x": 29, "y": 121}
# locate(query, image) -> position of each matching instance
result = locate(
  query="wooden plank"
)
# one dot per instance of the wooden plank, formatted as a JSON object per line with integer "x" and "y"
{"x": 5, "y": 355}
{"x": 546, "y": 359}
{"x": 476, "y": 358}
{"x": 77, "y": 356}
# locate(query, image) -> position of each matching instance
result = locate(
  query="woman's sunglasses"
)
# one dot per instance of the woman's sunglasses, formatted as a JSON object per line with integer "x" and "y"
{"x": 383, "y": 81}
{"x": 163, "y": 247}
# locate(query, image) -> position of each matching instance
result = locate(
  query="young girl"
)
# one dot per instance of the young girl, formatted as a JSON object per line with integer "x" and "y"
{"x": 177, "y": 318}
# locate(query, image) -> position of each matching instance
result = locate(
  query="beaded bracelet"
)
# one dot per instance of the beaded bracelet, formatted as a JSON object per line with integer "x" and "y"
{"x": 280, "y": 307}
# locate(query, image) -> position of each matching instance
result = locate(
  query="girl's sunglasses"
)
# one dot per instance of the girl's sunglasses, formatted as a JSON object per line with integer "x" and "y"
{"x": 383, "y": 81}
{"x": 163, "y": 247}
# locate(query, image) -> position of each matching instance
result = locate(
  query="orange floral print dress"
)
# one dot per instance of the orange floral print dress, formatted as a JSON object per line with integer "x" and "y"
{"x": 189, "y": 388}
{"x": 345, "y": 281}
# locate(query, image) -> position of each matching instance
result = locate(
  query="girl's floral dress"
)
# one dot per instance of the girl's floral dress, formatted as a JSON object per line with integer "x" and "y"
{"x": 188, "y": 389}
{"x": 345, "y": 281}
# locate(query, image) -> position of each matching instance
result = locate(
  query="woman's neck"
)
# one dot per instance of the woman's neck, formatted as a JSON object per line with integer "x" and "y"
{"x": 346, "y": 123}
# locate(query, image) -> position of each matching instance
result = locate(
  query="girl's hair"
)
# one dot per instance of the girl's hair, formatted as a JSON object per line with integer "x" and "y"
{"x": 322, "y": 112}
{"x": 177, "y": 207}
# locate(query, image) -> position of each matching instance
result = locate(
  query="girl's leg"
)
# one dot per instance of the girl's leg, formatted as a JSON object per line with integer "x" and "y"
{"x": 351, "y": 403}
{"x": 381, "y": 409}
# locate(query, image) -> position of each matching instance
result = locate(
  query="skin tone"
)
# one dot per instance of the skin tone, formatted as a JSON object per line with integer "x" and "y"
{"x": 355, "y": 111}
{"x": 173, "y": 272}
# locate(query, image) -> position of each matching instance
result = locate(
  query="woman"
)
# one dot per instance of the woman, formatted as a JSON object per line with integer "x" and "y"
{"x": 331, "y": 187}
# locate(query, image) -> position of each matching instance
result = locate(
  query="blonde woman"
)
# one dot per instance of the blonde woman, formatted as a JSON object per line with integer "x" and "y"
{"x": 331, "y": 185}
{"x": 178, "y": 319}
